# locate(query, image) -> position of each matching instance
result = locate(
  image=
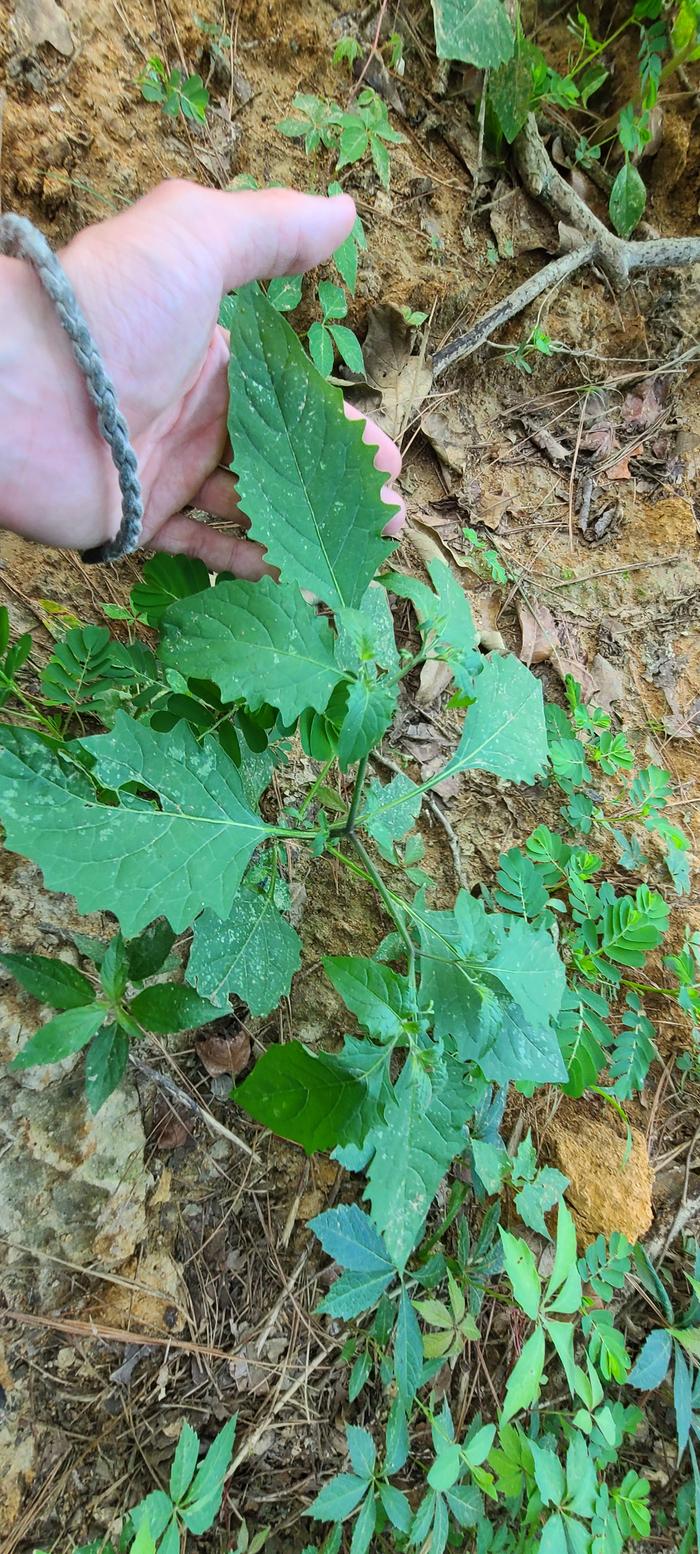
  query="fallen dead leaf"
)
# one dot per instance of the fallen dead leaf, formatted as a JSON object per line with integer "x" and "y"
{"x": 446, "y": 436}
{"x": 621, "y": 470}
{"x": 684, "y": 725}
{"x": 162, "y": 1190}
{"x": 435, "y": 677}
{"x": 519, "y": 225}
{"x": 542, "y": 642}
{"x": 224, "y": 1054}
{"x": 169, "y": 1129}
{"x": 43, "y": 21}
{"x": 643, "y": 405}
{"x": 401, "y": 379}
{"x": 608, "y": 684}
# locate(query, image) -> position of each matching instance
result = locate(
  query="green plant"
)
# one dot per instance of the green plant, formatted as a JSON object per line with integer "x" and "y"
{"x": 219, "y": 42}
{"x": 521, "y": 81}
{"x": 176, "y": 92}
{"x": 158, "y": 1523}
{"x": 353, "y": 133}
{"x": 538, "y": 980}
{"x": 537, "y": 343}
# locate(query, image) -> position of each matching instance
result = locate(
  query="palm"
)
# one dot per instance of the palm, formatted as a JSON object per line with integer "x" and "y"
{"x": 151, "y": 281}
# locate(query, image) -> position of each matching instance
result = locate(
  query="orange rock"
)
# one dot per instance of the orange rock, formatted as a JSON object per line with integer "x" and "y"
{"x": 606, "y": 1192}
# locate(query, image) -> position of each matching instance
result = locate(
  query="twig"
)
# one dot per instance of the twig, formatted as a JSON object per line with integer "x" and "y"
{"x": 618, "y": 258}
{"x": 683, "y": 1212}
{"x": 572, "y": 476}
{"x": 183, "y": 1099}
{"x": 590, "y": 577}
{"x": 115, "y": 1335}
{"x": 549, "y": 275}
{"x": 373, "y": 50}
{"x": 435, "y": 809}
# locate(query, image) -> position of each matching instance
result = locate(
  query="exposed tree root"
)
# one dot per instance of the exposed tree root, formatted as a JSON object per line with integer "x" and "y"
{"x": 617, "y": 257}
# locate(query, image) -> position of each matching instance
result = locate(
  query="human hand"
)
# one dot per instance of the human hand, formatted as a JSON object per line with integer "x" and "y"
{"x": 150, "y": 282}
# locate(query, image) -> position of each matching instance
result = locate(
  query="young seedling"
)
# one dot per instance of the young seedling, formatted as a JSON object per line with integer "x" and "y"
{"x": 176, "y": 92}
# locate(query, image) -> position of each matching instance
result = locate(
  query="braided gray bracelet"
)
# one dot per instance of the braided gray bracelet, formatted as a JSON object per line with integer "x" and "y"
{"x": 19, "y": 239}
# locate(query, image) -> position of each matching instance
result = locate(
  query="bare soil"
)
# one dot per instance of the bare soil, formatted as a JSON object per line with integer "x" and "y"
{"x": 177, "y": 1276}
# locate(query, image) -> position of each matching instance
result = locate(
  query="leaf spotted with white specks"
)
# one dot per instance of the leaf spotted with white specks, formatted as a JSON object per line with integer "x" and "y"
{"x": 305, "y": 477}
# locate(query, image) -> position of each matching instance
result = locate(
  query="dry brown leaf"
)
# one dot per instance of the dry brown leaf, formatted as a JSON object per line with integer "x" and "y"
{"x": 43, "y": 21}
{"x": 402, "y": 380}
{"x": 435, "y": 676}
{"x": 621, "y": 470}
{"x": 519, "y": 225}
{"x": 542, "y": 642}
{"x": 540, "y": 638}
{"x": 608, "y": 684}
{"x": 224, "y": 1054}
{"x": 684, "y": 725}
{"x": 446, "y": 436}
{"x": 169, "y": 1129}
{"x": 642, "y": 406}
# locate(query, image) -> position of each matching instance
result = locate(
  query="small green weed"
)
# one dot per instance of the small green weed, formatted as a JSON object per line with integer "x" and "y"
{"x": 352, "y": 133}
{"x": 176, "y": 92}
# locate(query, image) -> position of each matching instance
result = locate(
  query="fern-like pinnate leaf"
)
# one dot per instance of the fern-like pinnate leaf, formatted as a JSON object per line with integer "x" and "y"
{"x": 583, "y": 1037}
{"x": 183, "y": 849}
{"x": 86, "y": 665}
{"x": 633, "y": 1052}
{"x": 520, "y": 888}
{"x": 306, "y": 478}
{"x": 605, "y": 1266}
{"x": 260, "y": 642}
{"x": 634, "y": 925}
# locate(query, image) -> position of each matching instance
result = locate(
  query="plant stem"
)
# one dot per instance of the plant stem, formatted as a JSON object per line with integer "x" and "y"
{"x": 396, "y": 916}
{"x": 349, "y": 826}
{"x": 31, "y": 706}
{"x": 313, "y": 790}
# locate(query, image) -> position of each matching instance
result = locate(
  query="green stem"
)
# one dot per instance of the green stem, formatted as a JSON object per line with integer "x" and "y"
{"x": 396, "y": 916}
{"x": 313, "y": 790}
{"x": 356, "y": 796}
{"x": 31, "y": 707}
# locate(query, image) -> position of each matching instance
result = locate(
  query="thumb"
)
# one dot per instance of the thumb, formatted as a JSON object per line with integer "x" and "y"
{"x": 253, "y": 234}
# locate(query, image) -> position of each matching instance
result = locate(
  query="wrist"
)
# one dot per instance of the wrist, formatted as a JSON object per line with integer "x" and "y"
{"x": 51, "y": 453}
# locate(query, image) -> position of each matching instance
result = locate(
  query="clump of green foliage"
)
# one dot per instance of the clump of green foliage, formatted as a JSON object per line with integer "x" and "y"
{"x": 540, "y": 980}
{"x": 191, "y": 1503}
{"x": 521, "y": 81}
{"x": 326, "y": 335}
{"x": 352, "y": 133}
{"x": 176, "y": 92}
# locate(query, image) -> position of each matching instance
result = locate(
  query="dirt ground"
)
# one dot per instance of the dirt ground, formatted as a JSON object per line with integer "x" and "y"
{"x": 149, "y": 1267}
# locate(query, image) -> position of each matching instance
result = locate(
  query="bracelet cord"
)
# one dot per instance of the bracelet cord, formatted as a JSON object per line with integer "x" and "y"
{"x": 20, "y": 239}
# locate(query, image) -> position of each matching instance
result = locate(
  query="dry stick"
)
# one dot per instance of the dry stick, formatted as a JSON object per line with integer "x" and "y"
{"x": 436, "y": 809}
{"x": 116, "y": 1335}
{"x": 521, "y": 298}
{"x": 183, "y": 1099}
{"x": 615, "y": 256}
